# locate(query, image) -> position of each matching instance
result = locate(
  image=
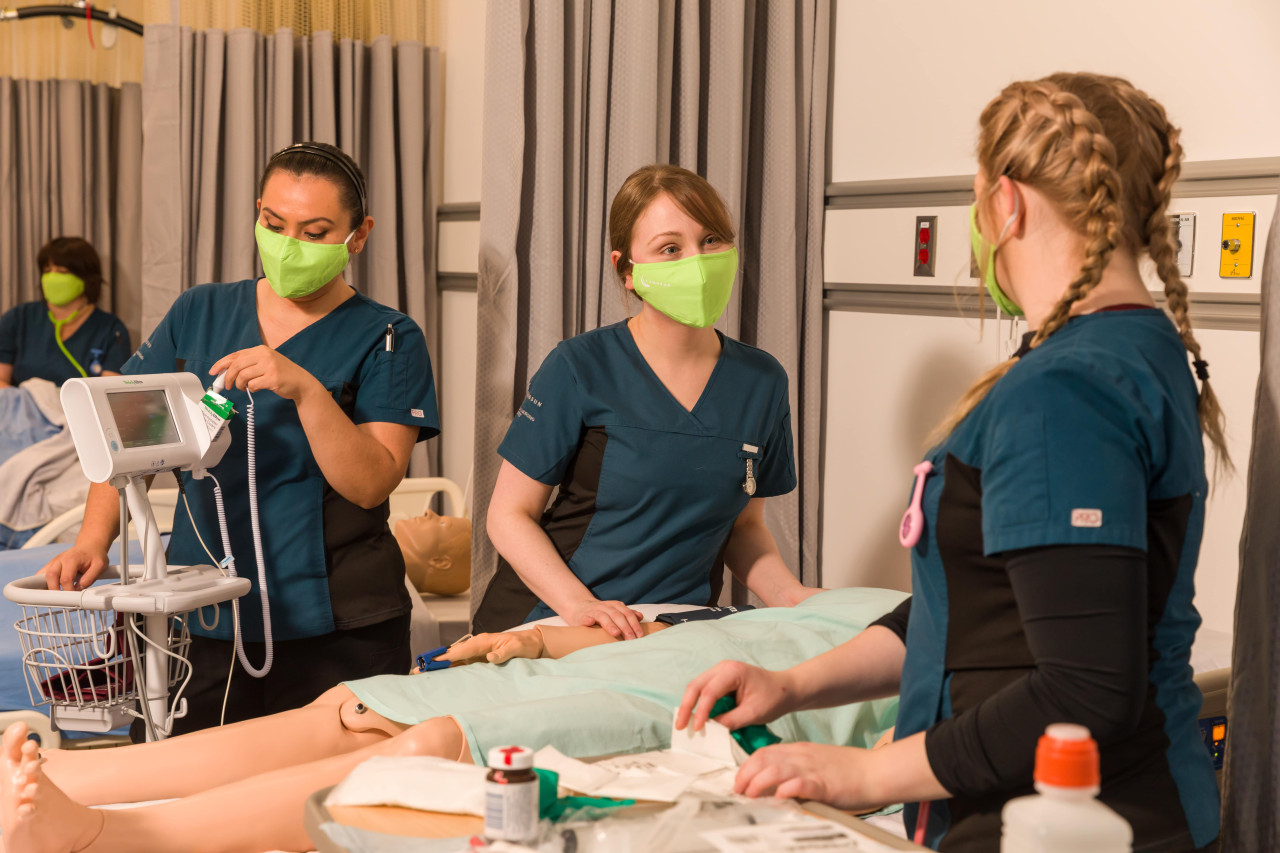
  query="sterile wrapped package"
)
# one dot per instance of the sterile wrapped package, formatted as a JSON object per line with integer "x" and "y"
{"x": 704, "y": 762}
{"x": 415, "y": 782}
{"x": 714, "y": 742}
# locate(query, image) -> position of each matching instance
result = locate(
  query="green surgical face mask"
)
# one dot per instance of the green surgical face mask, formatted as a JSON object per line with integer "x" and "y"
{"x": 296, "y": 268}
{"x": 986, "y": 252}
{"x": 693, "y": 290}
{"x": 61, "y": 288}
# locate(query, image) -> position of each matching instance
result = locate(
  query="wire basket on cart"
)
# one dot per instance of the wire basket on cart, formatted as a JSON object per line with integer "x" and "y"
{"x": 105, "y": 655}
{"x": 80, "y": 663}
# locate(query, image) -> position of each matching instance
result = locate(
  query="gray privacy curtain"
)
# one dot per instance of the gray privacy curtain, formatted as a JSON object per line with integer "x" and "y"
{"x": 1251, "y": 779}
{"x": 70, "y": 163}
{"x": 580, "y": 93}
{"x": 218, "y": 104}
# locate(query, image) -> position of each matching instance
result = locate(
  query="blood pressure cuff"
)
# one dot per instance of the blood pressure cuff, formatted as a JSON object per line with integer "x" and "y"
{"x": 702, "y": 615}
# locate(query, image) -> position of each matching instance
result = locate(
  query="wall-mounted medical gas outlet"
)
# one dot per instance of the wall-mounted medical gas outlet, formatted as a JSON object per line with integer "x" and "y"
{"x": 1237, "y": 245}
{"x": 1184, "y": 237}
{"x": 926, "y": 244}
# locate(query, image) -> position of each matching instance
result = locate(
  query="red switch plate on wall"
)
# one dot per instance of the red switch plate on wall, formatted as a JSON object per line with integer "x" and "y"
{"x": 926, "y": 244}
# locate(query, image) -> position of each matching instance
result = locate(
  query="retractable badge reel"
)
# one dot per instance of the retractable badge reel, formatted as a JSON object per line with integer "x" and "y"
{"x": 913, "y": 519}
{"x": 749, "y": 483}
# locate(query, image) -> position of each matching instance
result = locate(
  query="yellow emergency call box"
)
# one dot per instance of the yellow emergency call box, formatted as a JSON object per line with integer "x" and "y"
{"x": 1237, "y": 245}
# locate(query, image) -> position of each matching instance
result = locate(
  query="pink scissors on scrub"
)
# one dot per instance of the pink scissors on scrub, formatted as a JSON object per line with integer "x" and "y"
{"x": 913, "y": 518}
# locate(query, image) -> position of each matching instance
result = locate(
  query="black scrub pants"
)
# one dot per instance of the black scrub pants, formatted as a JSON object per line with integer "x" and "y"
{"x": 301, "y": 671}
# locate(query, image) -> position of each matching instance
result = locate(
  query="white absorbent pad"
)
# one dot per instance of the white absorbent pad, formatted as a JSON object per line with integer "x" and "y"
{"x": 704, "y": 762}
{"x": 414, "y": 782}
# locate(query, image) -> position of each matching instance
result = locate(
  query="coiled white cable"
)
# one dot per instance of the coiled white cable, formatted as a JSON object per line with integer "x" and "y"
{"x": 250, "y": 452}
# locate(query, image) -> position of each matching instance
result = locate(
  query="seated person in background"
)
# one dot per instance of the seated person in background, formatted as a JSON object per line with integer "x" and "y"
{"x": 664, "y": 436}
{"x": 242, "y": 786}
{"x": 65, "y": 334}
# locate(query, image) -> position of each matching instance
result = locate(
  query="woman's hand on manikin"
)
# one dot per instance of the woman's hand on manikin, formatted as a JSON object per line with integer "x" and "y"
{"x": 616, "y": 618}
{"x": 263, "y": 369}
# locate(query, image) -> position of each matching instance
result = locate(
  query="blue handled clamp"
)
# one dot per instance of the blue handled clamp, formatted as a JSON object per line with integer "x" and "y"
{"x": 427, "y": 662}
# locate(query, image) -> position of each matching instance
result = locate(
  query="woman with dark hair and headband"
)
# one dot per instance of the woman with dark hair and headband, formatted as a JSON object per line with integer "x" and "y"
{"x": 342, "y": 390}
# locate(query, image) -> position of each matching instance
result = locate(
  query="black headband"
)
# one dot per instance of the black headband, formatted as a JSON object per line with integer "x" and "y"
{"x": 340, "y": 162}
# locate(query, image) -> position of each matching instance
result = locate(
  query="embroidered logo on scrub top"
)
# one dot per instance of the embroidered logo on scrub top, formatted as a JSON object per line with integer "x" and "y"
{"x": 1086, "y": 518}
{"x": 417, "y": 413}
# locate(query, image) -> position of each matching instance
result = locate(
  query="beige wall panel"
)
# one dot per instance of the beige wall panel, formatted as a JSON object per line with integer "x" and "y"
{"x": 461, "y": 30}
{"x": 459, "y": 247}
{"x": 1233, "y": 364}
{"x": 909, "y": 79}
{"x": 890, "y": 379}
{"x": 458, "y": 383}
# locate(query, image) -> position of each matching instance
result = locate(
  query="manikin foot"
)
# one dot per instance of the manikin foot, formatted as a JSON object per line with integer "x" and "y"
{"x": 35, "y": 815}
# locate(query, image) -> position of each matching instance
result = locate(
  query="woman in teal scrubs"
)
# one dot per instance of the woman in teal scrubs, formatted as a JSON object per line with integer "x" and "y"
{"x": 663, "y": 435}
{"x": 342, "y": 390}
{"x": 65, "y": 334}
{"x": 1057, "y": 521}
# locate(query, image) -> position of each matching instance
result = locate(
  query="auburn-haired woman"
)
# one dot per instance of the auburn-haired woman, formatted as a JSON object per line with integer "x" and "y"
{"x": 65, "y": 334}
{"x": 663, "y": 435}
{"x": 1053, "y": 580}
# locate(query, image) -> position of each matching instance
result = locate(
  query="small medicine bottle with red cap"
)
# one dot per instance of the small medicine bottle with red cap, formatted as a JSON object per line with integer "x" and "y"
{"x": 511, "y": 795}
{"x": 1066, "y": 816}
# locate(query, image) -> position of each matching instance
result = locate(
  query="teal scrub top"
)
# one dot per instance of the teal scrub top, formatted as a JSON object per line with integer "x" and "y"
{"x": 330, "y": 564}
{"x": 27, "y": 342}
{"x": 649, "y": 490}
{"x": 1092, "y": 438}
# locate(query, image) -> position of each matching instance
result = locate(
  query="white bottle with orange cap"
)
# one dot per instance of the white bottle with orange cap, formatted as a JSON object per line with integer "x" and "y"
{"x": 1066, "y": 816}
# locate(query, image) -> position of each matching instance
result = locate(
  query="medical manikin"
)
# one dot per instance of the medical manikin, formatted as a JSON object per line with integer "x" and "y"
{"x": 241, "y": 787}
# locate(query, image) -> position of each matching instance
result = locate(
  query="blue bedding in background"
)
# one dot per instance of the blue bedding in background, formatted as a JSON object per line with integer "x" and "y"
{"x": 22, "y": 424}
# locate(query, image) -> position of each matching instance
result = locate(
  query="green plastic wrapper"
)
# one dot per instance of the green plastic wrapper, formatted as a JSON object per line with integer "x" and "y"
{"x": 555, "y": 808}
{"x": 750, "y": 738}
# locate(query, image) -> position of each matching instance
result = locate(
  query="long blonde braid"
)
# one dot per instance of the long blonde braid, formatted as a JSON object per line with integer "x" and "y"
{"x": 1043, "y": 136}
{"x": 1162, "y": 247}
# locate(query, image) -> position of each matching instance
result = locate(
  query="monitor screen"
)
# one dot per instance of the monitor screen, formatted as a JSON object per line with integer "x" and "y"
{"x": 142, "y": 418}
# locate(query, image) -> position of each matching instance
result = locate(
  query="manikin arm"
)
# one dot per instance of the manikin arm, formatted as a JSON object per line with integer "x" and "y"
{"x": 544, "y": 641}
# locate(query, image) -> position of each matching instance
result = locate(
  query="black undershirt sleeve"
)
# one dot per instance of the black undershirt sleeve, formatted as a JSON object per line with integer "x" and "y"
{"x": 1084, "y": 613}
{"x": 896, "y": 619}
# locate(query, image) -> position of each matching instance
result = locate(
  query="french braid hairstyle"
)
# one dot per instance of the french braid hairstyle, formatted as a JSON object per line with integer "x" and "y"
{"x": 1106, "y": 155}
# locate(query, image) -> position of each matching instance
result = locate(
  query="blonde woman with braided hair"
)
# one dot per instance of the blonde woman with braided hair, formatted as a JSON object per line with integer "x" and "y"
{"x": 1063, "y": 506}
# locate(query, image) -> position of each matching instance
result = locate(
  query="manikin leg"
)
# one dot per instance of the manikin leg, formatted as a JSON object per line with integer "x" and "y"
{"x": 185, "y": 765}
{"x": 262, "y": 812}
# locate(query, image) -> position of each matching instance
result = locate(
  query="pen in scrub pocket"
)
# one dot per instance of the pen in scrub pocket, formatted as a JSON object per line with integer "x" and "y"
{"x": 390, "y": 339}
